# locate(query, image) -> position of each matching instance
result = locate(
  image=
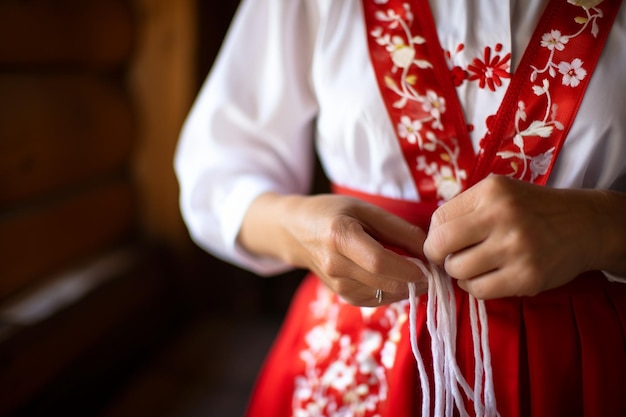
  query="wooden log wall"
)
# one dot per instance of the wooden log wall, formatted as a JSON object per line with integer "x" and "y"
{"x": 78, "y": 89}
{"x": 67, "y": 134}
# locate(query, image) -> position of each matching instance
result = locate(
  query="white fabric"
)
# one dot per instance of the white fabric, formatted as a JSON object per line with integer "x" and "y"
{"x": 296, "y": 74}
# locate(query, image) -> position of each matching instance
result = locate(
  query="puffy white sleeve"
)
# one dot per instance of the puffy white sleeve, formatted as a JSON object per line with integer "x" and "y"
{"x": 251, "y": 128}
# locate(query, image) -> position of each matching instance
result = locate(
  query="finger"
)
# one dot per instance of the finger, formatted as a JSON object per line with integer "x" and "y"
{"x": 461, "y": 205}
{"x": 392, "y": 230}
{"x": 474, "y": 261}
{"x": 355, "y": 293}
{"x": 360, "y": 288}
{"x": 499, "y": 283}
{"x": 341, "y": 273}
{"x": 375, "y": 260}
{"x": 453, "y": 236}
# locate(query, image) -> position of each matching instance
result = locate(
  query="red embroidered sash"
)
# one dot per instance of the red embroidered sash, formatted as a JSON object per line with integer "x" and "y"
{"x": 534, "y": 118}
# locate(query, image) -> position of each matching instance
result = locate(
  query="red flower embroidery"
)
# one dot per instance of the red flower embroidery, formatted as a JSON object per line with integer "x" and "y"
{"x": 490, "y": 71}
{"x": 458, "y": 75}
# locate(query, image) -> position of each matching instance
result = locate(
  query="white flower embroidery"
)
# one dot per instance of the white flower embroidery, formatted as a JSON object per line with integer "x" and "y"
{"x": 573, "y": 72}
{"x": 554, "y": 40}
{"x": 354, "y": 380}
{"x": 447, "y": 178}
{"x": 339, "y": 376}
{"x": 436, "y": 106}
{"x": 370, "y": 343}
{"x": 402, "y": 55}
{"x": 539, "y": 164}
{"x": 303, "y": 390}
{"x": 448, "y": 188}
{"x": 320, "y": 339}
{"x": 585, "y": 4}
{"x": 409, "y": 129}
{"x": 388, "y": 354}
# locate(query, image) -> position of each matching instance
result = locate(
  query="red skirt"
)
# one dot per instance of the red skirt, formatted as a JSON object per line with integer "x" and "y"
{"x": 561, "y": 353}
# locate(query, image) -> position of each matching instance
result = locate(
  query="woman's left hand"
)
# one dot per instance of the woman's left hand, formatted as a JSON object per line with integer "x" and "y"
{"x": 505, "y": 237}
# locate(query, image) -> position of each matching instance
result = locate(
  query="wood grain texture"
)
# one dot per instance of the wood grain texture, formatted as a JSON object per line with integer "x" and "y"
{"x": 34, "y": 244}
{"x": 96, "y": 33}
{"x": 73, "y": 352}
{"x": 60, "y": 131}
{"x": 163, "y": 81}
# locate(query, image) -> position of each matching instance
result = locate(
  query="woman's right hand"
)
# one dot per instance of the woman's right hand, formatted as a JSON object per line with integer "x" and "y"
{"x": 341, "y": 239}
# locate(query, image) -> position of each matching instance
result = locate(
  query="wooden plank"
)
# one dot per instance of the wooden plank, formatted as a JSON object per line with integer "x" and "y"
{"x": 163, "y": 81}
{"x": 96, "y": 33}
{"x": 58, "y": 131}
{"x": 34, "y": 244}
{"x": 77, "y": 349}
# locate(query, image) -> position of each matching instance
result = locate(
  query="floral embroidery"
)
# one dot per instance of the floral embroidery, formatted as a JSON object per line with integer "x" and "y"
{"x": 490, "y": 71}
{"x": 554, "y": 40}
{"x": 586, "y": 4}
{"x": 459, "y": 74}
{"x": 409, "y": 129}
{"x": 443, "y": 175}
{"x": 572, "y": 74}
{"x": 346, "y": 374}
{"x": 421, "y": 129}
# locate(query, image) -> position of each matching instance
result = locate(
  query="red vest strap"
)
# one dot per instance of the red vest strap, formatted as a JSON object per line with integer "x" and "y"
{"x": 543, "y": 98}
{"x": 534, "y": 119}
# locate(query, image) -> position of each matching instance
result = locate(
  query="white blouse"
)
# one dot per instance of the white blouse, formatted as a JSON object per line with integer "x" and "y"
{"x": 294, "y": 77}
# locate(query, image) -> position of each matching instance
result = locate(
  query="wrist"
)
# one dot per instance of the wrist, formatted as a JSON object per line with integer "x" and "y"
{"x": 265, "y": 231}
{"x": 611, "y": 220}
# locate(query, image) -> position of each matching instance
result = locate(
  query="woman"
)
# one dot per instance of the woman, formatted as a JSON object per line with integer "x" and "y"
{"x": 438, "y": 125}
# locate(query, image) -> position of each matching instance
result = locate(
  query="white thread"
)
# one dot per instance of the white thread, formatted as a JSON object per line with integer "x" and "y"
{"x": 418, "y": 356}
{"x": 450, "y": 386}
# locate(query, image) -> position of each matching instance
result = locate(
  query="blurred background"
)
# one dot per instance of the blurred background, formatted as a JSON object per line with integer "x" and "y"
{"x": 106, "y": 306}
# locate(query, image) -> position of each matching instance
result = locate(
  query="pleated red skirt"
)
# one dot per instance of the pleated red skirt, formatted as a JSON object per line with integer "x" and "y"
{"x": 561, "y": 353}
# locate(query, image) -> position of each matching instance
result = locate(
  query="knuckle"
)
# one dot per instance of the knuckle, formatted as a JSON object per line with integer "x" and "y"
{"x": 341, "y": 287}
{"x": 345, "y": 289}
{"x": 434, "y": 244}
{"x": 517, "y": 240}
{"x": 496, "y": 183}
{"x": 531, "y": 280}
{"x": 337, "y": 232}
{"x": 374, "y": 263}
{"x": 478, "y": 289}
{"x": 329, "y": 265}
{"x": 454, "y": 266}
{"x": 397, "y": 290}
{"x": 332, "y": 233}
{"x": 438, "y": 217}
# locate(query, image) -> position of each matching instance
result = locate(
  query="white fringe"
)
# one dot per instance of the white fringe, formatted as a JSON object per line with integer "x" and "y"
{"x": 450, "y": 387}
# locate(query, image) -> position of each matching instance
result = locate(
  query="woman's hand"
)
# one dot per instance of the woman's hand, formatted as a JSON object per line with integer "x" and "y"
{"x": 505, "y": 237}
{"x": 341, "y": 240}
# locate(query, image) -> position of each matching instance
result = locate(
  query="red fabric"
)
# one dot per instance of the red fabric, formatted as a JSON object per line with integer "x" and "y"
{"x": 561, "y": 353}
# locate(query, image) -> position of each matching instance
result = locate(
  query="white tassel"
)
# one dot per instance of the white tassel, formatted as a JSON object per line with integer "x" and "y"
{"x": 450, "y": 386}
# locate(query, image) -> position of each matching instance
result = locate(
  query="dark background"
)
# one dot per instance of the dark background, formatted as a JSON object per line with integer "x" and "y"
{"x": 92, "y": 98}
